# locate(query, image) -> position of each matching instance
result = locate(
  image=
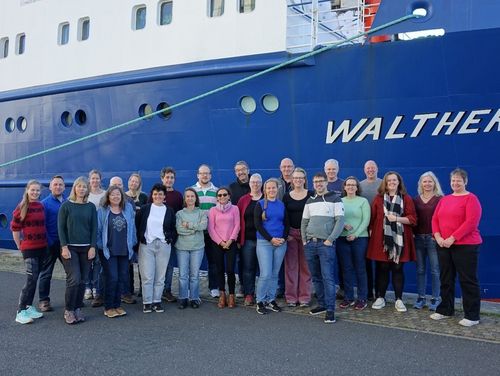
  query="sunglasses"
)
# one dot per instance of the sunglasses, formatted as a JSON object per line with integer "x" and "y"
{"x": 222, "y": 195}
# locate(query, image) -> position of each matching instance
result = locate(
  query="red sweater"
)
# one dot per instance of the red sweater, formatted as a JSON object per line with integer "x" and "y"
{"x": 34, "y": 235}
{"x": 458, "y": 216}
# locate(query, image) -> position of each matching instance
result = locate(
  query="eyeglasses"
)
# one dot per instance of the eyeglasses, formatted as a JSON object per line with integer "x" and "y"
{"x": 318, "y": 181}
{"x": 222, "y": 195}
{"x": 204, "y": 173}
{"x": 351, "y": 185}
{"x": 298, "y": 178}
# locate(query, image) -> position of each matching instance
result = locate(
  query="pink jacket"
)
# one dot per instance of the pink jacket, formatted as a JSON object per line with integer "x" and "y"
{"x": 223, "y": 222}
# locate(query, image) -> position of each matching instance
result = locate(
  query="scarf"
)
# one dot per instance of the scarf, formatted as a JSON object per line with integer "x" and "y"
{"x": 393, "y": 231}
{"x": 223, "y": 208}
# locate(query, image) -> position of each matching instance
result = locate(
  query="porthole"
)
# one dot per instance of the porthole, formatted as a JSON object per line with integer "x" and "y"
{"x": 145, "y": 110}
{"x": 10, "y": 125}
{"x": 3, "y": 221}
{"x": 22, "y": 124}
{"x": 66, "y": 119}
{"x": 248, "y": 105}
{"x": 420, "y": 12}
{"x": 270, "y": 103}
{"x": 80, "y": 117}
{"x": 166, "y": 114}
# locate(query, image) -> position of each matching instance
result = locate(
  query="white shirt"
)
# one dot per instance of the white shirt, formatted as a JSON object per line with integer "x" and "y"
{"x": 154, "y": 226}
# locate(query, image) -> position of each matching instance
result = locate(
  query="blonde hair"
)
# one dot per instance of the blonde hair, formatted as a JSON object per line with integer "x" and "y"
{"x": 79, "y": 180}
{"x": 139, "y": 190}
{"x": 437, "y": 187}
{"x": 302, "y": 171}
{"x": 270, "y": 180}
{"x": 25, "y": 201}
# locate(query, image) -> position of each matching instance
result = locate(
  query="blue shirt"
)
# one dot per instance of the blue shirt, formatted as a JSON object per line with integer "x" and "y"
{"x": 51, "y": 207}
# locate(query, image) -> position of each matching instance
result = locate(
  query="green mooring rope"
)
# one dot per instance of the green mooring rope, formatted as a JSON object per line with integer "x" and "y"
{"x": 211, "y": 92}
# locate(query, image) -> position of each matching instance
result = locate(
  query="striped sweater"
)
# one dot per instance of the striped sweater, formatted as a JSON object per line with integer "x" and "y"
{"x": 323, "y": 217}
{"x": 208, "y": 196}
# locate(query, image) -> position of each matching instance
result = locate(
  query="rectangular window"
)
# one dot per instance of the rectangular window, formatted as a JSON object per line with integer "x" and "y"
{"x": 83, "y": 28}
{"x": 4, "y": 47}
{"x": 215, "y": 8}
{"x": 20, "y": 43}
{"x": 63, "y": 33}
{"x": 246, "y": 6}
{"x": 139, "y": 17}
{"x": 166, "y": 12}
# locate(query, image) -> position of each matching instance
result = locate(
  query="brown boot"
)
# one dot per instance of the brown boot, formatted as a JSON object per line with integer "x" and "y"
{"x": 222, "y": 299}
{"x": 232, "y": 302}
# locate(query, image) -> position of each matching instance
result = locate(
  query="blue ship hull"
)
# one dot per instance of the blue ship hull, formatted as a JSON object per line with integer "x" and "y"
{"x": 388, "y": 82}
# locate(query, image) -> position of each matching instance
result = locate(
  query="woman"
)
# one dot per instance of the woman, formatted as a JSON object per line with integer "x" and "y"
{"x": 271, "y": 222}
{"x": 77, "y": 228}
{"x": 352, "y": 243}
{"x": 248, "y": 237}
{"x": 135, "y": 191}
{"x": 223, "y": 228}
{"x": 298, "y": 284}
{"x": 116, "y": 237}
{"x": 155, "y": 224}
{"x": 455, "y": 227}
{"x": 191, "y": 222}
{"x": 429, "y": 194}
{"x": 391, "y": 243}
{"x": 28, "y": 231}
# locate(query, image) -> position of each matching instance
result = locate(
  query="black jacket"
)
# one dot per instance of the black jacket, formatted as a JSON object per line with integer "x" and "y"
{"x": 141, "y": 221}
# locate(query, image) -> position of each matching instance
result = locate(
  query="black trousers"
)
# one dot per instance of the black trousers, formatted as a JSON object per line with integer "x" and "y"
{"x": 461, "y": 260}
{"x": 77, "y": 269}
{"x": 33, "y": 266}
{"x": 225, "y": 260}
{"x": 383, "y": 272}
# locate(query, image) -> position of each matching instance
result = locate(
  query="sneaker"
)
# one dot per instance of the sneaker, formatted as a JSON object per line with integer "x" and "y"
{"x": 240, "y": 294}
{"x": 23, "y": 318}
{"x": 120, "y": 311}
{"x": 261, "y": 308}
{"x": 69, "y": 317}
{"x": 379, "y": 303}
{"x": 44, "y": 306}
{"x": 157, "y": 307}
{"x": 128, "y": 299}
{"x": 248, "y": 300}
{"x": 97, "y": 302}
{"x": 437, "y": 316}
{"x": 88, "y": 294}
{"x": 94, "y": 292}
{"x": 214, "y": 293}
{"x": 79, "y": 315}
{"x": 400, "y": 306}
{"x": 292, "y": 305}
{"x": 168, "y": 297}
{"x": 346, "y": 303}
{"x": 360, "y": 305}
{"x": 468, "y": 323}
{"x": 183, "y": 303}
{"x": 111, "y": 313}
{"x": 33, "y": 313}
{"x": 434, "y": 304}
{"x": 195, "y": 304}
{"x": 273, "y": 306}
{"x": 419, "y": 304}
{"x": 329, "y": 317}
{"x": 147, "y": 308}
{"x": 317, "y": 311}
{"x": 303, "y": 305}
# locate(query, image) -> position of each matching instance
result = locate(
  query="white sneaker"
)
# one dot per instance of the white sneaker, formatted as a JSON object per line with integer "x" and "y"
{"x": 468, "y": 323}
{"x": 214, "y": 293}
{"x": 400, "y": 306}
{"x": 88, "y": 294}
{"x": 437, "y": 316}
{"x": 379, "y": 303}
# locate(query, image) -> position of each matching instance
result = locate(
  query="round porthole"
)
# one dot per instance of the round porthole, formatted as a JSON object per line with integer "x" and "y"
{"x": 145, "y": 110}
{"x": 10, "y": 125}
{"x": 270, "y": 103}
{"x": 3, "y": 221}
{"x": 166, "y": 114}
{"x": 80, "y": 117}
{"x": 22, "y": 124}
{"x": 66, "y": 119}
{"x": 248, "y": 105}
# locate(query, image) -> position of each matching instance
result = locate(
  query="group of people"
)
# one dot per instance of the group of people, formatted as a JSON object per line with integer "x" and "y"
{"x": 295, "y": 239}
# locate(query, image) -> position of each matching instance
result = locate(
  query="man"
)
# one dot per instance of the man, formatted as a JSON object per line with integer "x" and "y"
{"x": 241, "y": 186}
{"x": 322, "y": 223}
{"x": 335, "y": 184}
{"x": 285, "y": 180}
{"x": 51, "y": 205}
{"x": 369, "y": 189}
{"x": 207, "y": 193}
{"x": 173, "y": 199}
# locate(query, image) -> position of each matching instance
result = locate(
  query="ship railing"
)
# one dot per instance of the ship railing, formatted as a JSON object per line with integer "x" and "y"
{"x": 311, "y": 23}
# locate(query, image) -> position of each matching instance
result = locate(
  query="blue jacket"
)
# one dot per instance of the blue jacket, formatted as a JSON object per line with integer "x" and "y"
{"x": 51, "y": 206}
{"x": 102, "y": 229}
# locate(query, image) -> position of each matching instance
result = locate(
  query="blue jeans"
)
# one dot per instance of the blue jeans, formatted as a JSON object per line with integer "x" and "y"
{"x": 248, "y": 254}
{"x": 189, "y": 263}
{"x": 321, "y": 261}
{"x": 352, "y": 255}
{"x": 153, "y": 261}
{"x": 270, "y": 260}
{"x": 46, "y": 271}
{"x": 32, "y": 265}
{"x": 115, "y": 271}
{"x": 426, "y": 247}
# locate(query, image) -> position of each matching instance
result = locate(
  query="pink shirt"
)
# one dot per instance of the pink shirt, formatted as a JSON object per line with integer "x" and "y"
{"x": 223, "y": 223}
{"x": 458, "y": 216}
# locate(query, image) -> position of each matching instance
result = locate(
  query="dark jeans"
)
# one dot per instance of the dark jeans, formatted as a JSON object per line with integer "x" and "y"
{"x": 32, "y": 265}
{"x": 115, "y": 270}
{"x": 248, "y": 256}
{"x": 384, "y": 270}
{"x": 211, "y": 265}
{"x": 461, "y": 260}
{"x": 46, "y": 271}
{"x": 371, "y": 278}
{"x": 352, "y": 255}
{"x": 225, "y": 260}
{"x": 76, "y": 268}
